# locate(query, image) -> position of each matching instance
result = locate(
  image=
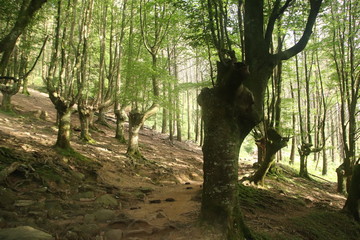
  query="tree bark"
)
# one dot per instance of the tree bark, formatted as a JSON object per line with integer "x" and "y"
{"x": 225, "y": 128}
{"x": 120, "y": 125}
{"x": 274, "y": 143}
{"x": 64, "y": 131}
{"x": 25, "y": 16}
{"x": 84, "y": 117}
{"x": 136, "y": 120}
{"x": 6, "y": 101}
{"x": 352, "y": 204}
{"x": 9, "y": 86}
{"x": 135, "y": 123}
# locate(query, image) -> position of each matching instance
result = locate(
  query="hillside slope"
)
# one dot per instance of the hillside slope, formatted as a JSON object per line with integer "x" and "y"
{"x": 101, "y": 194}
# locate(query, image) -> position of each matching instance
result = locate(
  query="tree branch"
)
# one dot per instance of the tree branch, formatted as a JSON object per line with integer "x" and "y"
{"x": 24, "y": 18}
{"x": 301, "y": 44}
{"x": 275, "y": 14}
{"x": 36, "y": 60}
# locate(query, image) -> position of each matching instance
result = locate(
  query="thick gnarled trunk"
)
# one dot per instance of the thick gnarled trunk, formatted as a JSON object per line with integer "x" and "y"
{"x": 6, "y": 102}
{"x": 227, "y": 121}
{"x": 135, "y": 123}
{"x": 64, "y": 131}
{"x": 84, "y": 117}
{"x": 352, "y": 204}
{"x": 273, "y": 145}
{"x": 120, "y": 125}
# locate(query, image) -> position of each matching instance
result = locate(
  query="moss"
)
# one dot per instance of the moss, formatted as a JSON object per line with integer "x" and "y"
{"x": 10, "y": 113}
{"x": 74, "y": 155}
{"x": 321, "y": 225}
{"x": 49, "y": 174}
{"x": 8, "y": 156}
{"x": 269, "y": 236}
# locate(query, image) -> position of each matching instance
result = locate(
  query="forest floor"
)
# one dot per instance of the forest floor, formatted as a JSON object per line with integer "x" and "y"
{"x": 101, "y": 194}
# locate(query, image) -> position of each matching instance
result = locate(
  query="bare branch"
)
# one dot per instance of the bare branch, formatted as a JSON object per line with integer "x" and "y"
{"x": 301, "y": 44}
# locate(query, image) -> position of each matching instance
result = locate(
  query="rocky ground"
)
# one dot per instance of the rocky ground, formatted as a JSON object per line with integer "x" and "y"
{"x": 98, "y": 193}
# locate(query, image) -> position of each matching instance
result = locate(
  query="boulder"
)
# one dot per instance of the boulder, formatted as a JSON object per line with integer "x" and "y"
{"x": 24, "y": 233}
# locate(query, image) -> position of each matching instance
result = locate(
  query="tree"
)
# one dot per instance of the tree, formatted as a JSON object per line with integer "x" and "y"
{"x": 352, "y": 202}
{"x": 344, "y": 23}
{"x": 159, "y": 20}
{"x": 226, "y": 124}
{"x": 26, "y": 13}
{"x": 65, "y": 76}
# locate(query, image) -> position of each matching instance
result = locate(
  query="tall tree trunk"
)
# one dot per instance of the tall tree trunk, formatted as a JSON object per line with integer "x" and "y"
{"x": 164, "y": 123}
{"x": 225, "y": 128}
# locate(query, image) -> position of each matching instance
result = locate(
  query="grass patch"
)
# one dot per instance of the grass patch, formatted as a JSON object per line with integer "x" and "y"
{"x": 321, "y": 225}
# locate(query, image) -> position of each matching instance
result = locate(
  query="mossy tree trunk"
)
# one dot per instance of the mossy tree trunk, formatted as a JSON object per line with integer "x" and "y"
{"x": 273, "y": 145}
{"x": 352, "y": 204}
{"x": 9, "y": 86}
{"x": 341, "y": 180}
{"x": 102, "y": 117}
{"x": 225, "y": 128}
{"x": 84, "y": 117}
{"x": 120, "y": 124}
{"x": 64, "y": 127}
{"x": 6, "y": 101}
{"x": 135, "y": 123}
{"x": 136, "y": 120}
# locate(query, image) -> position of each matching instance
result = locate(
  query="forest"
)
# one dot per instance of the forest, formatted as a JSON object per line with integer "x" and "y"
{"x": 176, "y": 119}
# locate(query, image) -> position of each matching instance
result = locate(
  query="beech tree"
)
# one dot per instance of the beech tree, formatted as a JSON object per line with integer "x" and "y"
{"x": 26, "y": 13}
{"x": 65, "y": 77}
{"x": 228, "y": 121}
{"x": 154, "y": 26}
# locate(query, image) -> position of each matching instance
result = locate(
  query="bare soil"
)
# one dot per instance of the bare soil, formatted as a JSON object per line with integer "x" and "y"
{"x": 157, "y": 199}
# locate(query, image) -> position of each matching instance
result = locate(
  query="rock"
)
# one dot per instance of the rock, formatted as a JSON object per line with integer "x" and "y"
{"x": 78, "y": 175}
{"x": 84, "y": 195}
{"x": 89, "y": 218}
{"x": 86, "y": 231}
{"x": 70, "y": 235}
{"x": 107, "y": 200}
{"x": 2, "y": 222}
{"x": 24, "y": 203}
{"x": 24, "y": 233}
{"x": 54, "y": 213}
{"x": 160, "y": 215}
{"x": 114, "y": 234}
{"x": 146, "y": 190}
{"x": 8, "y": 216}
{"x": 7, "y": 198}
{"x": 104, "y": 215}
{"x": 44, "y": 115}
{"x": 53, "y": 203}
